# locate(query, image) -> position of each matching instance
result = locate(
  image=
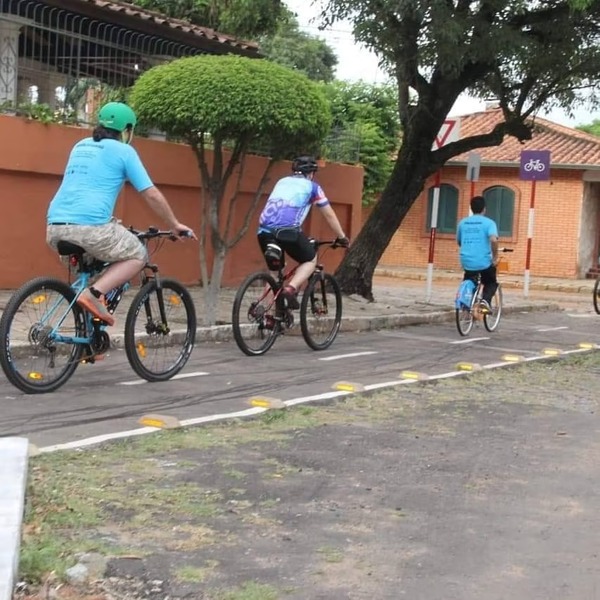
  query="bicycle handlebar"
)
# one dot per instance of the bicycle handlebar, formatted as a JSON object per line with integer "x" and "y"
{"x": 153, "y": 232}
{"x": 333, "y": 243}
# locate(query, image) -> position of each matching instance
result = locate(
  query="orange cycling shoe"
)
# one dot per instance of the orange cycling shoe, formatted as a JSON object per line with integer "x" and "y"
{"x": 95, "y": 306}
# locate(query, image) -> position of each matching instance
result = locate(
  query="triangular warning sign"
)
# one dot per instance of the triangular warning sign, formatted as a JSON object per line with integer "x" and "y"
{"x": 449, "y": 132}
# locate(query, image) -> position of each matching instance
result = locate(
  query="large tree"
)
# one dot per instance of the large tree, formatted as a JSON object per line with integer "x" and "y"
{"x": 246, "y": 19}
{"x": 365, "y": 130}
{"x": 225, "y": 107}
{"x": 593, "y": 127}
{"x": 293, "y": 48}
{"x": 525, "y": 54}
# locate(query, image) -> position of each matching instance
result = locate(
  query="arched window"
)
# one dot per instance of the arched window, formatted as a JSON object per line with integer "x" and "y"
{"x": 500, "y": 206}
{"x": 448, "y": 209}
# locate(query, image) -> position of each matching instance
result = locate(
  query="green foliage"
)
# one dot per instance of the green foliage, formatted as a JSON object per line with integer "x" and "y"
{"x": 593, "y": 127}
{"x": 246, "y": 19}
{"x": 300, "y": 51}
{"x": 233, "y": 98}
{"x": 367, "y": 130}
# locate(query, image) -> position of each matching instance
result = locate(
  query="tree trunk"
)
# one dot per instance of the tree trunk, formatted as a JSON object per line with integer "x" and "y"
{"x": 355, "y": 273}
{"x": 212, "y": 289}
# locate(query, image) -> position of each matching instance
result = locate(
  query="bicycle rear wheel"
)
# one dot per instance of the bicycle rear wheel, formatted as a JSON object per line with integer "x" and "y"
{"x": 321, "y": 311}
{"x": 465, "y": 316}
{"x": 31, "y": 354}
{"x": 491, "y": 320}
{"x": 254, "y": 315}
{"x": 160, "y": 330}
{"x": 597, "y": 296}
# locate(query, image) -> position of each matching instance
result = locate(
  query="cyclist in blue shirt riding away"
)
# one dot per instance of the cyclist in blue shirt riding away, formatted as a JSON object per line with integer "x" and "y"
{"x": 477, "y": 236}
{"x": 81, "y": 211}
{"x": 281, "y": 221}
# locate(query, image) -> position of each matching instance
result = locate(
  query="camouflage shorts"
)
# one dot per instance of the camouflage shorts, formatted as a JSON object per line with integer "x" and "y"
{"x": 110, "y": 243}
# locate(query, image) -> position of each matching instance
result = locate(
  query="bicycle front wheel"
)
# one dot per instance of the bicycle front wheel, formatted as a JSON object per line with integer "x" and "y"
{"x": 254, "y": 315}
{"x": 491, "y": 320}
{"x": 36, "y": 326}
{"x": 321, "y": 311}
{"x": 597, "y": 296}
{"x": 160, "y": 330}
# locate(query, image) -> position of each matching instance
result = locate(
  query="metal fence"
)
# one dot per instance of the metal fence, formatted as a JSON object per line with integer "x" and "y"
{"x": 70, "y": 62}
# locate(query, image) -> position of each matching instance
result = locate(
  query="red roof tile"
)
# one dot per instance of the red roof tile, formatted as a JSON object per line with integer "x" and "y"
{"x": 568, "y": 147}
{"x": 184, "y": 26}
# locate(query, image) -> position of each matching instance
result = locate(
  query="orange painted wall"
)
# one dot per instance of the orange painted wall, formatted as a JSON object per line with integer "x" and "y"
{"x": 556, "y": 229}
{"x": 32, "y": 159}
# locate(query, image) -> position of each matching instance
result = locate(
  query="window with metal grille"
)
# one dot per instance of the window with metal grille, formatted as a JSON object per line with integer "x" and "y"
{"x": 500, "y": 207}
{"x": 448, "y": 209}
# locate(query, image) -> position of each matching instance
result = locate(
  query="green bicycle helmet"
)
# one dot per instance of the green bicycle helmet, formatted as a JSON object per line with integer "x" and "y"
{"x": 118, "y": 116}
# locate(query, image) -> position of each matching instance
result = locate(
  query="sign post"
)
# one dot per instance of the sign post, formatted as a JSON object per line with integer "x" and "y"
{"x": 535, "y": 166}
{"x": 449, "y": 132}
{"x": 473, "y": 168}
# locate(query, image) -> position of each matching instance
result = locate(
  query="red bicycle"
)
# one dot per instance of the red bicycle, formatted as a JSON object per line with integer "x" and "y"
{"x": 260, "y": 313}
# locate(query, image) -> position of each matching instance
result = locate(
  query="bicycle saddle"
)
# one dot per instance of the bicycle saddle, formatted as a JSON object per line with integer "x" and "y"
{"x": 67, "y": 248}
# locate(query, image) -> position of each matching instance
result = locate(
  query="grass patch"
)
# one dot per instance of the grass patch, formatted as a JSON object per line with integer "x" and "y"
{"x": 250, "y": 591}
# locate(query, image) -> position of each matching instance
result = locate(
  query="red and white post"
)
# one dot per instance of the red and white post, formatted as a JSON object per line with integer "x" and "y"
{"x": 449, "y": 132}
{"x": 435, "y": 207}
{"x": 530, "y": 223}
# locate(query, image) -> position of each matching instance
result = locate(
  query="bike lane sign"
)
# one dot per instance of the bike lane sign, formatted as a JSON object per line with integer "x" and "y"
{"x": 535, "y": 165}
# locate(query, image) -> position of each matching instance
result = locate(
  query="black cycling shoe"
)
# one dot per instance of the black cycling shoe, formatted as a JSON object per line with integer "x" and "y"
{"x": 291, "y": 297}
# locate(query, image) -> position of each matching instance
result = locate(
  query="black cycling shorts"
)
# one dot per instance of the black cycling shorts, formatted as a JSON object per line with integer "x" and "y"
{"x": 294, "y": 243}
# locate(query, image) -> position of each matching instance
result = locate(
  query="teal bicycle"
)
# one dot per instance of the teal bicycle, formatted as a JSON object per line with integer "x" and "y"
{"x": 45, "y": 334}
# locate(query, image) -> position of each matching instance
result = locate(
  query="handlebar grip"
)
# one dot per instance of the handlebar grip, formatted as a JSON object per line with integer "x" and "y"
{"x": 186, "y": 234}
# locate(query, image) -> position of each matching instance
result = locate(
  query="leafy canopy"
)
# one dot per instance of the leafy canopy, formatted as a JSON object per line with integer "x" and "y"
{"x": 293, "y": 48}
{"x": 366, "y": 130}
{"x": 247, "y": 19}
{"x": 233, "y": 98}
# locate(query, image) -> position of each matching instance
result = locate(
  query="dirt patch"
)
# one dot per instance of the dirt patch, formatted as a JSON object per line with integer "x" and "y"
{"x": 479, "y": 487}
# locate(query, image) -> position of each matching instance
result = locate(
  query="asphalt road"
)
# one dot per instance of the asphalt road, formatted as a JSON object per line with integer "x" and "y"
{"x": 107, "y": 397}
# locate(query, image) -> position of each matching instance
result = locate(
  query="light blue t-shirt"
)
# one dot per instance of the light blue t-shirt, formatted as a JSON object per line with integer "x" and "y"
{"x": 473, "y": 237}
{"x": 94, "y": 176}
{"x": 290, "y": 202}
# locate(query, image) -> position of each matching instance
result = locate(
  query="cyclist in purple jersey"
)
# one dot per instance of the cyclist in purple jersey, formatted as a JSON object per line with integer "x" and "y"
{"x": 280, "y": 222}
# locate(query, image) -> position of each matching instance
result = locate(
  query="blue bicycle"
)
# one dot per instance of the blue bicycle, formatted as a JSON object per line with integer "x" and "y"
{"x": 45, "y": 334}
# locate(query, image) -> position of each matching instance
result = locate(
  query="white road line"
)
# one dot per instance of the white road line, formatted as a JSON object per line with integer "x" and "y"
{"x": 470, "y": 340}
{"x": 340, "y": 356}
{"x": 302, "y": 400}
{"x": 180, "y": 376}
{"x": 582, "y": 315}
{"x": 552, "y": 328}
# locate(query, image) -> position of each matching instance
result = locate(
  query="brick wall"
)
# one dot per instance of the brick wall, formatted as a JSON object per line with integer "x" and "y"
{"x": 555, "y": 247}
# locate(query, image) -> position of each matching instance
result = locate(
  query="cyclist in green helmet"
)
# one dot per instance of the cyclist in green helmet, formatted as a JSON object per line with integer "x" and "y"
{"x": 81, "y": 211}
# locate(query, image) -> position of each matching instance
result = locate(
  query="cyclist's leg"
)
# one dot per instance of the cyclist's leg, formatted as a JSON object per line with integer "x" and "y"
{"x": 490, "y": 283}
{"x": 304, "y": 253}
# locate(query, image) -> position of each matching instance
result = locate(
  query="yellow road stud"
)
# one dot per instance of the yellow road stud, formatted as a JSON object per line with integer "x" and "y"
{"x": 587, "y": 346}
{"x": 348, "y": 386}
{"x": 160, "y": 421}
{"x": 467, "y": 366}
{"x": 552, "y": 351}
{"x": 266, "y": 402}
{"x": 415, "y": 375}
{"x": 512, "y": 358}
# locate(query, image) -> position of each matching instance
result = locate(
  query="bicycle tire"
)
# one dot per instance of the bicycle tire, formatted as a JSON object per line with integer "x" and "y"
{"x": 54, "y": 297}
{"x": 492, "y": 320}
{"x": 174, "y": 345}
{"x": 464, "y": 317}
{"x": 596, "y": 297}
{"x": 316, "y": 311}
{"x": 254, "y": 314}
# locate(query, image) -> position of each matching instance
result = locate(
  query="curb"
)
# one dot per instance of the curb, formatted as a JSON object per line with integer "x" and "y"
{"x": 224, "y": 333}
{"x": 507, "y": 283}
{"x": 13, "y": 478}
